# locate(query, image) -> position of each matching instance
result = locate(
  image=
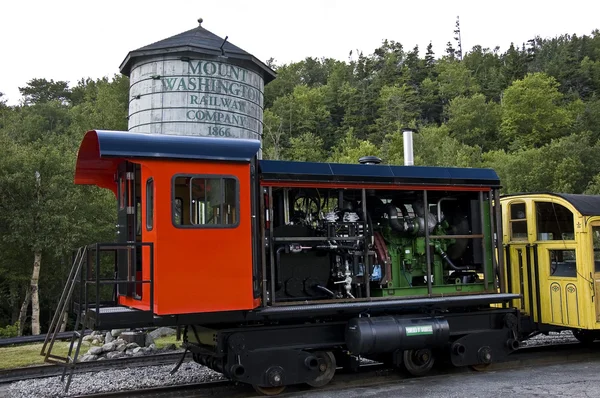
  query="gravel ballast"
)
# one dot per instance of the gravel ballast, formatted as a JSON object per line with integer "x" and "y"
{"x": 114, "y": 380}
{"x": 553, "y": 338}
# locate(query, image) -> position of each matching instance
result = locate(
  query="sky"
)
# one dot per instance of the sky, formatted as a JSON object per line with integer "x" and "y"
{"x": 71, "y": 40}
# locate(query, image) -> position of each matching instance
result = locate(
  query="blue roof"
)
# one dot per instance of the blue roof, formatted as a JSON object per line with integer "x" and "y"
{"x": 138, "y": 145}
{"x": 275, "y": 170}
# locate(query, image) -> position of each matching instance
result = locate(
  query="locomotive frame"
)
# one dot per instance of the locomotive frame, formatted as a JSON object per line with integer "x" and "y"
{"x": 230, "y": 303}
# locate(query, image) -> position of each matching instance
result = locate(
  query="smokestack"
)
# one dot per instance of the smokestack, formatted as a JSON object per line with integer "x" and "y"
{"x": 408, "y": 147}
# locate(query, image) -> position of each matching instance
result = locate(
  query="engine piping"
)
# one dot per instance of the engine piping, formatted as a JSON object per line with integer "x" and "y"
{"x": 449, "y": 262}
{"x": 392, "y": 213}
{"x": 439, "y": 208}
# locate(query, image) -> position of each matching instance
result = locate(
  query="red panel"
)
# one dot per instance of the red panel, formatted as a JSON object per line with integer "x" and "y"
{"x": 199, "y": 269}
{"x": 91, "y": 169}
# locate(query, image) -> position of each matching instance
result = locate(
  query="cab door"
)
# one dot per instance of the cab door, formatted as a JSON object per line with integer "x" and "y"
{"x": 560, "y": 293}
{"x": 561, "y": 265}
{"x": 126, "y": 228}
{"x": 595, "y": 257}
{"x": 517, "y": 255}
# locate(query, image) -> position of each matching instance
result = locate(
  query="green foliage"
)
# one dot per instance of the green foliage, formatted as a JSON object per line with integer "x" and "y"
{"x": 303, "y": 111}
{"x": 398, "y": 107}
{"x": 9, "y": 331}
{"x": 532, "y": 112}
{"x": 40, "y": 207}
{"x": 307, "y": 147}
{"x": 475, "y": 121}
{"x": 454, "y": 79}
{"x": 350, "y": 149}
{"x": 38, "y": 91}
{"x": 565, "y": 165}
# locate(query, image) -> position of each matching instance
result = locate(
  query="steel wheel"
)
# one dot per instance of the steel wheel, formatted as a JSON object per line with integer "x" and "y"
{"x": 585, "y": 336}
{"x": 269, "y": 391}
{"x": 418, "y": 362}
{"x": 480, "y": 367}
{"x": 327, "y": 366}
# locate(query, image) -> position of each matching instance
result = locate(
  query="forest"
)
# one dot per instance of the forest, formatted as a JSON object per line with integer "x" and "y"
{"x": 532, "y": 113}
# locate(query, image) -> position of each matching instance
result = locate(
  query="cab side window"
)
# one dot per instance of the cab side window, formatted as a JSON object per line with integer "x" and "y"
{"x": 518, "y": 221}
{"x": 205, "y": 201}
{"x": 149, "y": 204}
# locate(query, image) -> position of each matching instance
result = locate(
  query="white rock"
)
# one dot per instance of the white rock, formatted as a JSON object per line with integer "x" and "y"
{"x": 149, "y": 340}
{"x": 162, "y": 332}
{"x": 89, "y": 358}
{"x": 114, "y": 355}
{"x": 108, "y": 347}
{"x": 95, "y": 351}
{"x": 117, "y": 332}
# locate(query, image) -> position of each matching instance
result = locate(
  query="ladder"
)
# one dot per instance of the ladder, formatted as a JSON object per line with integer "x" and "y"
{"x": 68, "y": 362}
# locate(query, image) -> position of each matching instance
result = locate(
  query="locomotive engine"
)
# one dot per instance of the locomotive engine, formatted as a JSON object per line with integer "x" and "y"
{"x": 326, "y": 243}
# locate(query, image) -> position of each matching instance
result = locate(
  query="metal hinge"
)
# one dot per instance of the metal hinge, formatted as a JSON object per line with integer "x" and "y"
{"x": 129, "y": 175}
{"x": 130, "y": 210}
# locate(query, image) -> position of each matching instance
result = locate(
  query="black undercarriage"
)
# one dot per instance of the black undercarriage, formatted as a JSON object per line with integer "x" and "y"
{"x": 270, "y": 355}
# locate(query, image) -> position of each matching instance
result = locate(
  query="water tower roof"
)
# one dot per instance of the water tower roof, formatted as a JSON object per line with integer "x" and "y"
{"x": 197, "y": 40}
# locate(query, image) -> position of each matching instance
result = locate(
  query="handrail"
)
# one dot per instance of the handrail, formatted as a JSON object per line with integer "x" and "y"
{"x": 91, "y": 274}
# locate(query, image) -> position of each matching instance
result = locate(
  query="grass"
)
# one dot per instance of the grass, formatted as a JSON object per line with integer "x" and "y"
{"x": 165, "y": 341}
{"x": 29, "y": 354}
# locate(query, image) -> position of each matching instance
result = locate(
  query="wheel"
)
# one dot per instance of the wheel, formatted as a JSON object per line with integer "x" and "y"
{"x": 269, "y": 391}
{"x": 327, "y": 366}
{"x": 480, "y": 367}
{"x": 585, "y": 336}
{"x": 418, "y": 362}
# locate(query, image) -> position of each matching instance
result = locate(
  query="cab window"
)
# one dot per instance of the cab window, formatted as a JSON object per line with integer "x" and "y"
{"x": 518, "y": 222}
{"x": 554, "y": 222}
{"x": 149, "y": 204}
{"x": 205, "y": 201}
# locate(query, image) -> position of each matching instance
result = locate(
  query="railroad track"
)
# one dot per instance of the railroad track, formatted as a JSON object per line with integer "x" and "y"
{"x": 369, "y": 375}
{"x": 36, "y": 372}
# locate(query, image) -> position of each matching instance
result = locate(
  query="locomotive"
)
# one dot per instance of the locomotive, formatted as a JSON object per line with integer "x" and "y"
{"x": 279, "y": 272}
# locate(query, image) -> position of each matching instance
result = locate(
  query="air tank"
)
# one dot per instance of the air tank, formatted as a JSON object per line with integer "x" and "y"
{"x": 196, "y": 83}
{"x": 384, "y": 334}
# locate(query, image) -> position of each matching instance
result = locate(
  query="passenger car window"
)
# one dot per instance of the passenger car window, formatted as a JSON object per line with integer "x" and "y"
{"x": 554, "y": 222}
{"x": 596, "y": 243}
{"x": 563, "y": 263}
{"x": 518, "y": 222}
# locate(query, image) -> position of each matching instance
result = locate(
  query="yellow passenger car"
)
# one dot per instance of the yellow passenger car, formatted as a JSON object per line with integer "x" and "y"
{"x": 552, "y": 258}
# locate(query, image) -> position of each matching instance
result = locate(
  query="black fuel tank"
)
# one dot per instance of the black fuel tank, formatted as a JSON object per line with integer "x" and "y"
{"x": 382, "y": 334}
